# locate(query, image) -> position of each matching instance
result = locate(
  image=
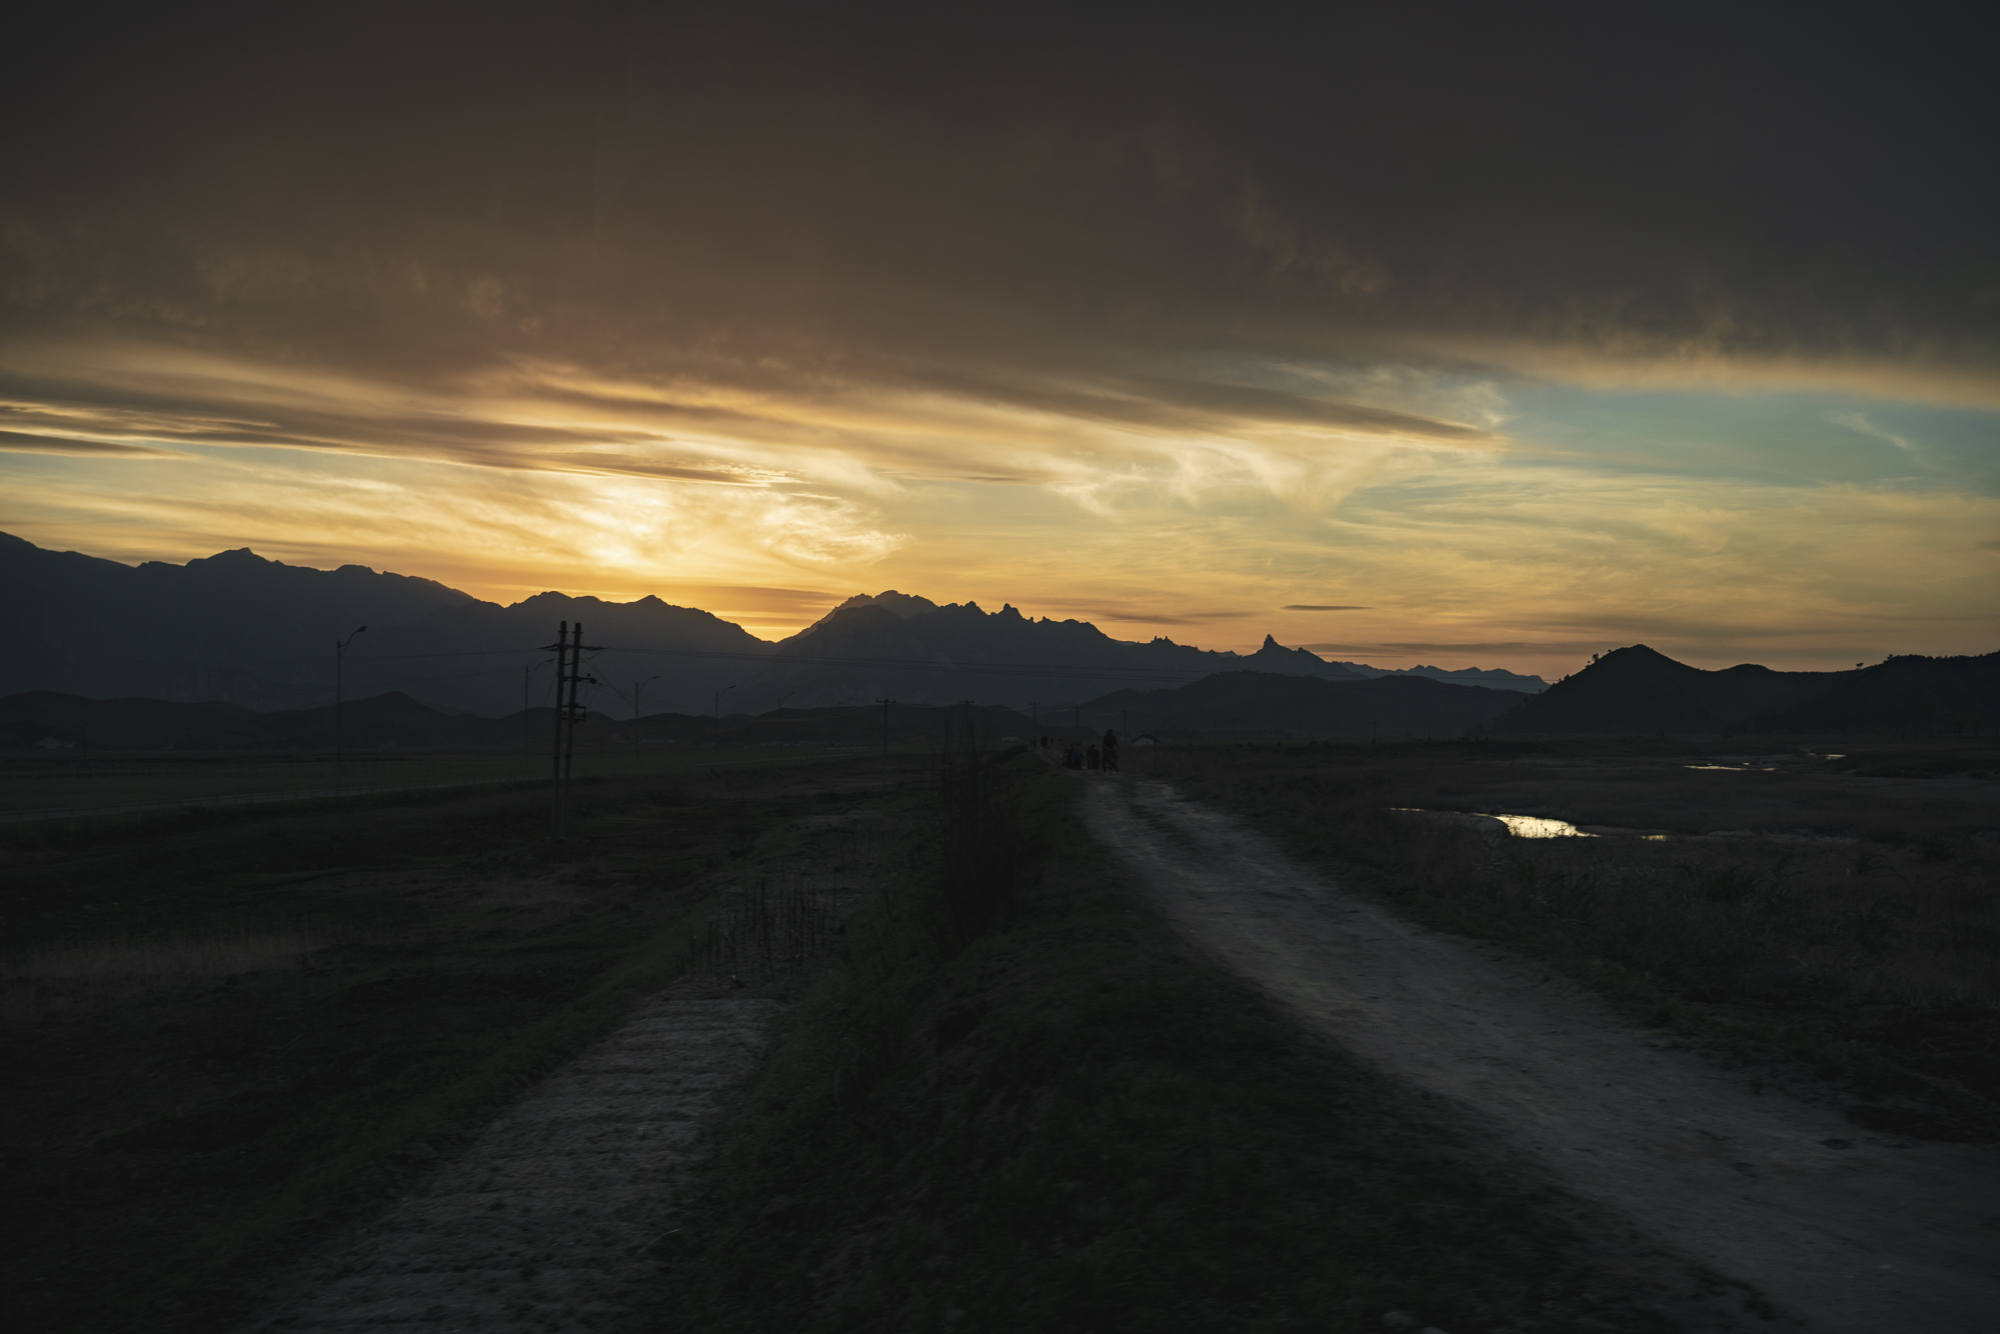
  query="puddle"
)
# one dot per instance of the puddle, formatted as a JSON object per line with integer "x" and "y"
{"x": 1749, "y": 763}
{"x": 1542, "y": 826}
{"x": 1520, "y": 826}
{"x": 1536, "y": 826}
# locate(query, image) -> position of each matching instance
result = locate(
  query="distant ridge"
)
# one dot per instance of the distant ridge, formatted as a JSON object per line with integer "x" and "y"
{"x": 1264, "y": 704}
{"x": 1492, "y": 678}
{"x": 1639, "y": 691}
{"x": 72, "y": 727}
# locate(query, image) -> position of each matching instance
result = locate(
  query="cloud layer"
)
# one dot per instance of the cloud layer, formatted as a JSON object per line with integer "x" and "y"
{"x": 1451, "y": 327}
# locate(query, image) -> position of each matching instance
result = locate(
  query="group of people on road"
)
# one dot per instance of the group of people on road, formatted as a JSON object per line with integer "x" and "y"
{"x": 1097, "y": 755}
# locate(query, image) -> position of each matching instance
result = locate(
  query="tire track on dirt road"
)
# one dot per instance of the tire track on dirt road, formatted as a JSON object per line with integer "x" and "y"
{"x": 1886, "y": 1234}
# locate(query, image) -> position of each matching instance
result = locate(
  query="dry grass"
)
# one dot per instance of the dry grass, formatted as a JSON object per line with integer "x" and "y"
{"x": 1016, "y": 1102}
{"x": 1872, "y": 957}
{"x": 1740, "y": 918}
{"x": 66, "y": 979}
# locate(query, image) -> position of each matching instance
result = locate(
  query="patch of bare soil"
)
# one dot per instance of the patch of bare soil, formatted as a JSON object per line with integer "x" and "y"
{"x": 1846, "y": 1231}
{"x": 547, "y": 1219}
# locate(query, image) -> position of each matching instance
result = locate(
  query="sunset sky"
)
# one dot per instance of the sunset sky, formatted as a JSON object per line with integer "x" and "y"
{"x": 1473, "y": 335}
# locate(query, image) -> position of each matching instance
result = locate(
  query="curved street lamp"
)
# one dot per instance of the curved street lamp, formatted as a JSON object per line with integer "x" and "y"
{"x": 637, "y": 712}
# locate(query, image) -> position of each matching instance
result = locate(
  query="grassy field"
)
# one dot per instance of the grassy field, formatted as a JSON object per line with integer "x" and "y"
{"x": 1009, "y": 1100}
{"x": 1834, "y": 919}
{"x": 35, "y": 785}
{"x": 228, "y": 1033}
{"x": 1018, "y": 1103}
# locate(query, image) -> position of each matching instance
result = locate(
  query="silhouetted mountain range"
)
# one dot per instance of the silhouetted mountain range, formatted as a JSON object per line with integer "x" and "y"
{"x": 871, "y": 649}
{"x": 260, "y": 633}
{"x": 238, "y": 628}
{"x": 1268, "y": 704}
{"x": 1638, "y": 691}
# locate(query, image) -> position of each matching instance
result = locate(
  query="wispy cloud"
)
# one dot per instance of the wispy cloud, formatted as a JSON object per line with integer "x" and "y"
{"x": 26, "y": 442}
{"x": 1858, "y": 422}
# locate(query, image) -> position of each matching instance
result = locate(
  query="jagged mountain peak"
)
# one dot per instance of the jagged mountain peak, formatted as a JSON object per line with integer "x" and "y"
{"x": 904, "y": 605}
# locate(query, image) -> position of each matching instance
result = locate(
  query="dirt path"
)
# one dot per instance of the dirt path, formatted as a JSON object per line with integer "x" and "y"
{"x": 1887, "y": 1234}
{"x": 543, "y": 1223}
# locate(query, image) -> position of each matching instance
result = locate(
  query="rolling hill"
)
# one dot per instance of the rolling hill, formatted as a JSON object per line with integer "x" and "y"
{"x": 1639, "y": 691}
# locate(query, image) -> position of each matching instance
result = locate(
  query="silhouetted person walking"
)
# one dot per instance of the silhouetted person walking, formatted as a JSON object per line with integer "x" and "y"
{"x": 1110, "y": 751}
{"x": 1073, "y": 757}
{"x": 1090, "y": 757}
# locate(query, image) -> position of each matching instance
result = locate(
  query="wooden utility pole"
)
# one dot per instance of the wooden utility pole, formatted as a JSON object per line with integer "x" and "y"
{"x": 561, "y": 646}
{"x": 569, "y": 648}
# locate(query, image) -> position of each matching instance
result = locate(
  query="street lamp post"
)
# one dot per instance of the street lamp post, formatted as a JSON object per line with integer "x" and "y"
{"x": 718, "y": 712}
{"x": 340, "y": 698}
{"x": 637, "y": 712}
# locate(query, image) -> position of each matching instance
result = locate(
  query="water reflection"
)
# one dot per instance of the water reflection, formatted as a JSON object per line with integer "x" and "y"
{"x": 1520, "y": 826}
{"x": 1536, "y": 826}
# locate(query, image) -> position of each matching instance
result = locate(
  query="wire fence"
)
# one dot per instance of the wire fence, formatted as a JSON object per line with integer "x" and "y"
{"x": 766, "y": 931}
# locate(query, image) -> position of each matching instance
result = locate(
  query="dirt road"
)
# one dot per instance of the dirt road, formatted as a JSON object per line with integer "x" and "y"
{"x": 545, "y": 1220}
{"x": 1883, "y": 1235}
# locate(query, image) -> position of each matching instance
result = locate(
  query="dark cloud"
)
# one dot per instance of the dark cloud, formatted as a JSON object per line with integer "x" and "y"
{"x": 1054, "y": 208}
{"x": 1186, "y": 403}
{"x": 21, "y": 442}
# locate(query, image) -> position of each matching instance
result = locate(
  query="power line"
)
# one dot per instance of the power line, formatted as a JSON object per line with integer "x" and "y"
{"x": 984, "y": 668}
{"x": 1104, "y": 672}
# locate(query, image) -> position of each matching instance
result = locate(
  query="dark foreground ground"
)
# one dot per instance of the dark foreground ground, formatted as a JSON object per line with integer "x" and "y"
{"x": 228, "y": 1035}
{"x": 1020, "y": 1101}
{"x": 1006, "y": 1098}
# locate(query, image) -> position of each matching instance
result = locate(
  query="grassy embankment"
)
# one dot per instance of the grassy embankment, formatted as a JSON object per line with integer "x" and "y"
{"x": 1860, "y": 946}
{"x": 1018, "y": 1103}
{"x": 226, "y": 1032}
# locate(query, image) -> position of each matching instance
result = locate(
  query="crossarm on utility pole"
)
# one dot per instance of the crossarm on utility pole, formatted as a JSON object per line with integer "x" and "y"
{"x": 569, "y": 648}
